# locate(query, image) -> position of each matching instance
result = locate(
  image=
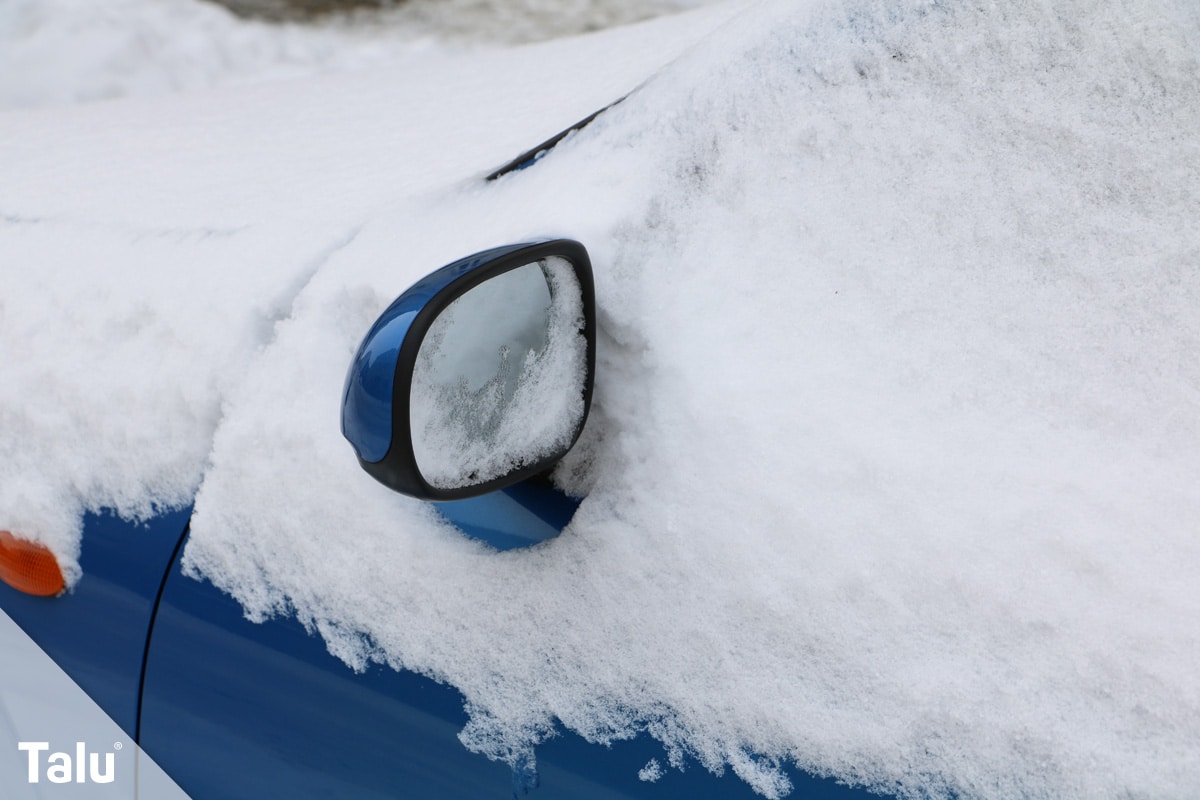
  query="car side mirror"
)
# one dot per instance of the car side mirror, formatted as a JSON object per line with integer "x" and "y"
{"x": 479, "y": 375}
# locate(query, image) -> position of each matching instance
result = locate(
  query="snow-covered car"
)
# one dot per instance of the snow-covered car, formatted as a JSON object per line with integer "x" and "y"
{"x": 466, "y": 390}
{"x": 889, "y": 478}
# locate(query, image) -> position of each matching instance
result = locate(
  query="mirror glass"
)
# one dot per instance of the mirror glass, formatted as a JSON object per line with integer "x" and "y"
{"x": 498, "y": 381}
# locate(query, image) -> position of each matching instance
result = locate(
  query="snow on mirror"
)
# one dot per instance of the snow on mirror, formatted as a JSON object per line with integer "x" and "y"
{"x": 499, "y": 377}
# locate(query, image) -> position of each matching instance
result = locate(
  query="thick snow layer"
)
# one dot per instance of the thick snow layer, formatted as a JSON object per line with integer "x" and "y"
{"x": 892, "y": 465}
{"x": 150, "y": 246}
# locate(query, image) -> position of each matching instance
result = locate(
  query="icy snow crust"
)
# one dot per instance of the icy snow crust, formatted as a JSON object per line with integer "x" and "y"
{"x": 892, "y": 464}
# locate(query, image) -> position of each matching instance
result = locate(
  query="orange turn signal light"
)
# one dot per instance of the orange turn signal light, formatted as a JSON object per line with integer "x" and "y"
{"x": 29, "y": 567}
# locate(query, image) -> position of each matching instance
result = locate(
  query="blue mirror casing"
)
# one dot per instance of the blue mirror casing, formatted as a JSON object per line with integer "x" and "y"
{"x": 375, "y": 399}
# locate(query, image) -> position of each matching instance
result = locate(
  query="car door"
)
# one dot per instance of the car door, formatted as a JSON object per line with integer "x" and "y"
{"x": 97, "y": 632}
{"x": 235, "y": 709}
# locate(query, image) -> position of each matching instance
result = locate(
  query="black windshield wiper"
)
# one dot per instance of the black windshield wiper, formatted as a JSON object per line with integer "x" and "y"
{"x": 530, "y": 157}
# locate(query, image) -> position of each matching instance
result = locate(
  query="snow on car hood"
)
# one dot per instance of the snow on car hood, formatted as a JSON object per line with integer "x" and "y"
{"x": 892, "y": 465}
{"x": 149, "y": 247}
{"x": 56, "y": 52}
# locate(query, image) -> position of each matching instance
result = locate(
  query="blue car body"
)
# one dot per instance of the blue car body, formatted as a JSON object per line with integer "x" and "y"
{"x": 236, "y": 709}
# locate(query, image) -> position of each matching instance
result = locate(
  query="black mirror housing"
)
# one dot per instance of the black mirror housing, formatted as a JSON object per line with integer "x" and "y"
{"x": 377, "y": 400}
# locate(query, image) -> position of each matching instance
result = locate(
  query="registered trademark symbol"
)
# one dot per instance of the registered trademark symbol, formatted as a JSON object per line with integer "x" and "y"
{"x": 118, "y": 746}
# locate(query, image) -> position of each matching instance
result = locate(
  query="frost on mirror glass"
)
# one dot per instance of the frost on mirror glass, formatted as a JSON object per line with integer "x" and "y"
{"x": 499, "y": 378}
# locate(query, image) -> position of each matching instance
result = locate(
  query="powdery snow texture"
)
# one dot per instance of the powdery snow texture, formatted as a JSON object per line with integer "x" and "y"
{"x": 892, "y": 462}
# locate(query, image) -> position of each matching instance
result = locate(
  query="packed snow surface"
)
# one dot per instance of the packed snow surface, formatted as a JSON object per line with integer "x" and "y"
{"x": 892, "y": 467}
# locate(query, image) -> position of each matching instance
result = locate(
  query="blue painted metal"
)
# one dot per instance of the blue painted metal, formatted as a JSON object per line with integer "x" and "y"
{"x": 367, "y": 396}
{"x": 234, "y": 709}
{"x": 97, "y": 633}
{"x": 520, "y": 515}
{"x": 367, "y": 393}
